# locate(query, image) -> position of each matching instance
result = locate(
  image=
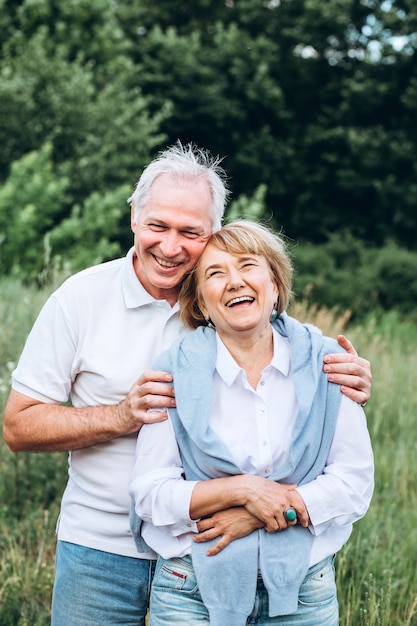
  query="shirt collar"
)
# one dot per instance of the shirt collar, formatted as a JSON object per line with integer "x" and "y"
{"x": 228, "y": 369}
{"x": 134, "y": 292}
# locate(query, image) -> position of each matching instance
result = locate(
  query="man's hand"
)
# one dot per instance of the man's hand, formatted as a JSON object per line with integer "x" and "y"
{"x": 148, "y": 400}
{"x": 228, "y": 525}
{"x": 350, "y": 371}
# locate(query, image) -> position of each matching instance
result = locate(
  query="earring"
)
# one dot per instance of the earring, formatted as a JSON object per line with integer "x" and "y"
{"x": 274, "y": 314}
{"x": 210, "y": 324}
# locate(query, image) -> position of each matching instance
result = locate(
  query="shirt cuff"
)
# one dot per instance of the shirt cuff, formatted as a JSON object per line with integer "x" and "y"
{"x": 180, "y": 507}
{"x": 317, "y": 508}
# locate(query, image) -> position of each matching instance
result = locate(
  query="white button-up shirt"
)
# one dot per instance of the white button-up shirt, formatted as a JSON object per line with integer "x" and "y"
{"x": 256, "y": 425}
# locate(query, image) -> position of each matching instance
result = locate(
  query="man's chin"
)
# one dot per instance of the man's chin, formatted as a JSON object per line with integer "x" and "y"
{"x": 168, "y": 283}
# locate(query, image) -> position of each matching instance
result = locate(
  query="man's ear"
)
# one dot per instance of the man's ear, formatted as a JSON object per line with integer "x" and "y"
{"x": 132, "y": 218}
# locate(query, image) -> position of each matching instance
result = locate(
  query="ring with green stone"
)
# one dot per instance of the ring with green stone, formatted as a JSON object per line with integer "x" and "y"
{"x": 290, "y": 515}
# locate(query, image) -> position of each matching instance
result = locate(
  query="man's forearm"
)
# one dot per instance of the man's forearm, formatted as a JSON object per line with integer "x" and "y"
{"x": 41, "y": 427}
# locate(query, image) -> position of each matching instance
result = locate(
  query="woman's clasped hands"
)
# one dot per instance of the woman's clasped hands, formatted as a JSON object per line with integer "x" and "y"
{"x": 263, "y": 505}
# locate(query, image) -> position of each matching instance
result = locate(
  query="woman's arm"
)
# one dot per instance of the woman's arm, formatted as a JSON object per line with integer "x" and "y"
{"x": 237, "y": 505}
{"x": 160, "y": 493}
{"x": 263, "y": 498}
{"x": 342, "y": 494}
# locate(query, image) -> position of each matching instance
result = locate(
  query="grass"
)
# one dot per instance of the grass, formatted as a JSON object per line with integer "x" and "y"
{"x": 376, "y": 570}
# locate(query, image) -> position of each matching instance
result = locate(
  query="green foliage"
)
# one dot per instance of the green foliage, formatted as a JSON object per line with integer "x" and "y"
{"x": 346, "y": 274}
{"x": 30, "y": 244}
{"x": 93, "y": 232}
{"x": 314, "y": 101}
{"x": 27, "y": 569}
{"x": 294, "y": 96}
{"x": 29, "y": 203}
{"x": 31, "y": 485}
{"x": 100, "y": 130}
{"x": 236, "y": 106}
{"x": 248, "y": 208}
{"x": 377, "y": 571}
{"x": 72, "y": 126}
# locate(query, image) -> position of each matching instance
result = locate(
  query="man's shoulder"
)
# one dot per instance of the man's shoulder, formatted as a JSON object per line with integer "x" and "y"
{"x": 92, "y": 277}
{"x": 96, "y": 270}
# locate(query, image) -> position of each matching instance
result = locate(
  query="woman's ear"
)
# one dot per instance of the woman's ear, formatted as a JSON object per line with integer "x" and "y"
{"x": 201, "y": 306}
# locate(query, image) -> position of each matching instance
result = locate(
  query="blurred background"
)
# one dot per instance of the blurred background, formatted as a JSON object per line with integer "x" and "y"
{"x": 312, "y": 104}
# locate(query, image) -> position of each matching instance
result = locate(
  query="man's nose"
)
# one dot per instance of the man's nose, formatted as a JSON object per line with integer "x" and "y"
{"x": 170, "y": 244}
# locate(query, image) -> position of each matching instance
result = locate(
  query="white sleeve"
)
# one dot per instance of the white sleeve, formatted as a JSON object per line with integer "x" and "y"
{"x": 161, "y": 494}
{"x": 45, "y": 367}
{"x": 342, "y": 494}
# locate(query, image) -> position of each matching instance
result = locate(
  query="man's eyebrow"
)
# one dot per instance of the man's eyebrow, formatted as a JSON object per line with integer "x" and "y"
{"x": 154, "y": 220}
{"x": 188, "y": 228}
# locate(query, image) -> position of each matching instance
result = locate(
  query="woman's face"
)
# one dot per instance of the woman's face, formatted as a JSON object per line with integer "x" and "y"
{"x": 236, "y": 291}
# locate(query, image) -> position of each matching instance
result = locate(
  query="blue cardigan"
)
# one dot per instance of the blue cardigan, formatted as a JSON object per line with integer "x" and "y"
{"x": 227, "y": 581}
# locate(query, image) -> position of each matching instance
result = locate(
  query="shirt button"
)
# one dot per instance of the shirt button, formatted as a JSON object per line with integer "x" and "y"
{"x": 266, "y": 471}
{"x": 264, "y": 442}
{"x": 262, "y": 382}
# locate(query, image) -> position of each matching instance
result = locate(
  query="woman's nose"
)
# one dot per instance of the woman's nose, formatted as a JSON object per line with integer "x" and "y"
{"x": 235, "y": 279}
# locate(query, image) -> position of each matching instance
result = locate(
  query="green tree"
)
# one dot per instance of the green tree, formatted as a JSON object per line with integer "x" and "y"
{"x": 29, "y": 202}
{"x": 315, "y": 101}
{"x": 94, "y": 231}
{"x": 306, "y": 97}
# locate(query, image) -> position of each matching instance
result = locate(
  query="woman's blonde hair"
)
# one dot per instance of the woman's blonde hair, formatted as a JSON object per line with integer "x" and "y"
{"x": 242, "y": 237}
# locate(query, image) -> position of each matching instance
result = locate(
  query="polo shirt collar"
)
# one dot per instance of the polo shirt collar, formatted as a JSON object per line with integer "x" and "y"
{"x": 135, "y": 294}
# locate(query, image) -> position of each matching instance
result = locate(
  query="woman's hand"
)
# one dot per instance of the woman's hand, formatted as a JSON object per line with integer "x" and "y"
{"x": 268, "y": 501}
{"x": 228, "y": 525}
{"x": 237, "y": 522}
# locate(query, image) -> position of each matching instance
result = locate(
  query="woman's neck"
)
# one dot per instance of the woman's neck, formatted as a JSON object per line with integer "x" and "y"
{"x": 251, "y": 353}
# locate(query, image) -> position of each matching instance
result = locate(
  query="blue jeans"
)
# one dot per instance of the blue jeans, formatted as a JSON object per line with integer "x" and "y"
{"x": 175, "y": 598}
{"x": 94, "y": 588}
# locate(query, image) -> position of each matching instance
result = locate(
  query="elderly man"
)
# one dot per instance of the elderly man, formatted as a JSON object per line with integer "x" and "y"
{"x": 90, "y": 343}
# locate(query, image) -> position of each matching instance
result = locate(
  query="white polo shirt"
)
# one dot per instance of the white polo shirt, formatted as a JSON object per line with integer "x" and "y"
{"x": 94, "y": 337}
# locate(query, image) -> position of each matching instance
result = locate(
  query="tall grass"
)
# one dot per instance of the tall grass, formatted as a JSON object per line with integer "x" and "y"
{"x": 376, "y": 570}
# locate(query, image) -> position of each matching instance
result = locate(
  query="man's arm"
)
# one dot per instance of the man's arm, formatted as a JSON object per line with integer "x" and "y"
{"x": 31, "y": 425}
{"x": 350, "y": 371}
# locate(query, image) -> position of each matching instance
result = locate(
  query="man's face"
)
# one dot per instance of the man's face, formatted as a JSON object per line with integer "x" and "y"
{"x": 170, "y": 234}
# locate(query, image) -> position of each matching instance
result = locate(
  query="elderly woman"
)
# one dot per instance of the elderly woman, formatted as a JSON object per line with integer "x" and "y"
{"x": 258, "y": 429}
